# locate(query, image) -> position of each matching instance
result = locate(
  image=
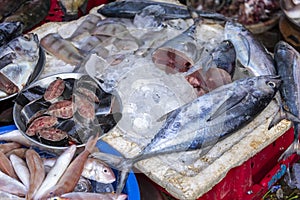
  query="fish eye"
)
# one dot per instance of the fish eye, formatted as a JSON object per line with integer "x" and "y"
{"x": 271, "y": 84}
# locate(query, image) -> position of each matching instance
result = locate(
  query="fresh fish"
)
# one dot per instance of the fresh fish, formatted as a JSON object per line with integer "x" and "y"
{"x": 20, "y": 152}
{"x": 7, "y": 195}
{"x": 36, "y": 170}
{"x": 94, "y": 196}
{"x": 249, "y": 52}
{"x": 129, "y": 8}
{"x": 11, "y": 185}
{"x": 89, "y": 23}
{"x": 180, "y": 53}
{"x": 21, "y": 169}
{"x": 83, "y": 185}
{"x": 30, "y": 13}
{"x": 18, "y": 59}
{"x": 6, "y": 147}
{"x": 8, "y": 6}
{"x": 97, "y": 170}
{"x": 70, "y": 177}
{"x": 61, "y": 164}
{"x": 15, "y": 136}
{"x": 62, "y": 49}
{"x": 6, "y": 166}
{"x": 206, "y": 120}
{"x": 287, "y": 61}
{"x": 9, "y": 31}
{"x": 254, "y": 57}
{"x": 53, "y": 136}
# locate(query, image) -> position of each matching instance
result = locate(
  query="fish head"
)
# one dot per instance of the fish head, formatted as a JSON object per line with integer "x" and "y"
{"x": 27, "y": 46}
{"x": 264, "y": 87}
{"x": 234, "y": 28}
{"x": 282, "y": 47}
{"x": 112, "y": 7}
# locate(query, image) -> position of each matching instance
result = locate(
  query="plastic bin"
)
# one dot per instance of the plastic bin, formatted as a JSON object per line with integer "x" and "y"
{"x": 131, "y": 187}
{"x": 252, "y": 179}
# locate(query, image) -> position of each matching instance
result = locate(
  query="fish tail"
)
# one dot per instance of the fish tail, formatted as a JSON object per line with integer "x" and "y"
{"x": 283, "y": 114}
{"x": 91, "y": 143}
{"x": 294, "y": 147}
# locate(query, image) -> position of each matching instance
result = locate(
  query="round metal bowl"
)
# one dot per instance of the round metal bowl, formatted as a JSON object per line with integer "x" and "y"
{"x": 21, "y": 124}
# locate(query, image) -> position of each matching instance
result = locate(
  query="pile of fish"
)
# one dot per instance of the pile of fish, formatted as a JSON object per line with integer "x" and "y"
{"x": 65, "y": 111}
{"x": 19, "y": 59}
{"x": 229, "y": 96}
{"x": 34, "y": 174}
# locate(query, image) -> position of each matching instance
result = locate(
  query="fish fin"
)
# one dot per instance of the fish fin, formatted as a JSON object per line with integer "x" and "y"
{"x": 91, "y": 143}
{"x": 282, "y": 114}
{"x": 227, "y": 105}
{"x": 246, "y": 43}
{"x": 165, "y": 116}
{"x": 294, "y": 147}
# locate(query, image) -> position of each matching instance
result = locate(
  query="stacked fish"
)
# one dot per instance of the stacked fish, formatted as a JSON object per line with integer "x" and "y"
{"x": 223, "y": 105}
{"x": 25, "y": 173}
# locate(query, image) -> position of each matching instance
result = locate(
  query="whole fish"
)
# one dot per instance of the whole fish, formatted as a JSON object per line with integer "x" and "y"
{"x": 180, "y": 53}
{"x": 15, "y": 136}
{"x": 129, "y": 8}
{"x": 93, "y": 196}
{"x": 6, "y": 166}
{"x": 255, "y": 58}
{"x": 9, "y": 30}
{"x": 70, "y": 177}
{"x": 287, "y": 61}
{"x": 56, "y": 171}
{"x": 6, "y": 147}
{"x": 11, "y": 185}
{"x": 62, "y": 49}
{"x": 36, "y": 170}
{"x": 206, "y": 120}
{"x": 30, "y": 13}
{"x": 8, "y": 6}
{"x": 18, "y": 59}
{"x": 249, "y": 52}
{"x": 21, "y": 169}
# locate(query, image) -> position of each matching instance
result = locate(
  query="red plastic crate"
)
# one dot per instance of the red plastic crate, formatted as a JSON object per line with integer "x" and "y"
{"x": 256, "y": 176}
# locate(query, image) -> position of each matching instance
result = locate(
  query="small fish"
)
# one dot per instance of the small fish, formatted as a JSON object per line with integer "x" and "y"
{"x": 180, "y": 53}
{"x": 61, "y": 164}
{"x": 196, "y": 125}
{"x": 30, "y": 13}
{"x": 129, "y": 8}
{"x": 93, "y": 196}
{"x": 70, "y": 177}
{"x": 15, "y": 136}
{"x": 11, "y": 185}
{"x": 6, "y": 147}
{"x": 6, "y": 166}
{"x": 97, "y": 170}
{"x": 287, "y": 61}
{"x": 7, "y": 195}
{"x": 20, "y": 152}
{"x": 21, "y": 169}
{"x": 36, "y": 170}
{"x": 62, "y": 49}
{"x": 83, "y": 185}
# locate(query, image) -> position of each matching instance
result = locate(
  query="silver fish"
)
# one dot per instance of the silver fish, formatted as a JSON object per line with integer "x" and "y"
{"x": 19, "y": 57}
{"x": 94, "y": 196}
{"x": 11, "y": 185}
{"x": 21, "y": 169}
{"x": 83, "y": 185}
{"x": 287, "y": 61}
{"x": 204, "y": 121}
{"x": 249, "y": 51}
